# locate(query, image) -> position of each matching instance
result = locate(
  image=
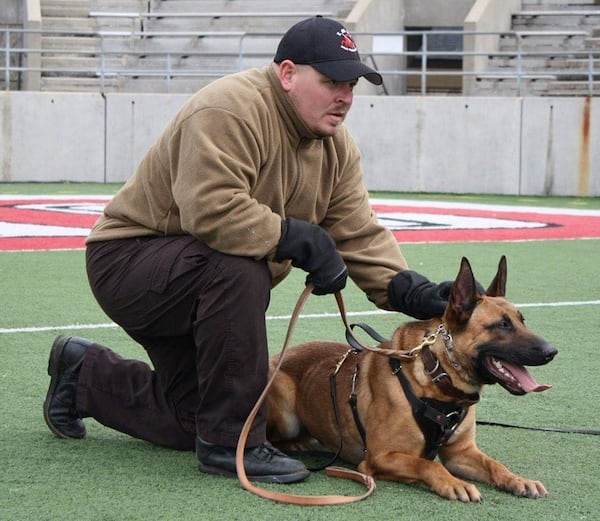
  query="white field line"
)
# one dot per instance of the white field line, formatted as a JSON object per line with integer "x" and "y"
{"x": 71, "y": 327}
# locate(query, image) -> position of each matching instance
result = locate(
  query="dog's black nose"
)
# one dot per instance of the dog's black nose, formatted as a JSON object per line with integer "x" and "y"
{"x": 549, "y": 352}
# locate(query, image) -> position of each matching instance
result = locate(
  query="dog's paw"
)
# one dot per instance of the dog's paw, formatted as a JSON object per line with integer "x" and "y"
{"x": 460, "y": 491}
{"x": 526, "y": 488}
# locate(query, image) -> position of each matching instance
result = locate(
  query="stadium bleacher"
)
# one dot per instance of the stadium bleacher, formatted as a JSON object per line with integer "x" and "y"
{"x": 139, "y": 41}
{"x": 551, "y": 47}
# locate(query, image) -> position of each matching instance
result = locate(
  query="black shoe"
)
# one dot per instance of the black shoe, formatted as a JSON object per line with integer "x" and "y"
{"x": 263, "y": 463}
{"x": 60, "y": 413}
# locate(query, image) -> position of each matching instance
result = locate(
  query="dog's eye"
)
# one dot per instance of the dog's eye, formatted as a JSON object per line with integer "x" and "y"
{"x": 505, "y": 324}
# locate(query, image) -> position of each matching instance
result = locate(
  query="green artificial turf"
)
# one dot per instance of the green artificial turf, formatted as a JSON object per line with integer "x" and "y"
{"x": 109, "y": 476}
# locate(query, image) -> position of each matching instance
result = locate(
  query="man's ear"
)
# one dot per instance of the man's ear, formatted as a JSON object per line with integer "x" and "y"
{"x": 286, "y": 70}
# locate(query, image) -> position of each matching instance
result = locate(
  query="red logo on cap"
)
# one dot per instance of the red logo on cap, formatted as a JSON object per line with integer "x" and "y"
{"x": 347, "y": 43}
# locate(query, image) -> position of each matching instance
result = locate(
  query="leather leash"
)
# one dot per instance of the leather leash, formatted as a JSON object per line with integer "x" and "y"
{"x": 357, "y": 346}
{"x": 337, "y": 472}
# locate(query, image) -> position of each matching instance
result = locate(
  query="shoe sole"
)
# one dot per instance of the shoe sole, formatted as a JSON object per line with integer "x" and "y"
{"x": 54, "y": 372}
{"x": 294, "y": 477}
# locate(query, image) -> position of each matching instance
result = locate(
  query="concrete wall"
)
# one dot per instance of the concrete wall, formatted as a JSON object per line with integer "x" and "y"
{"x": 33, "y": 60}
{"x": 135, "y": 121}
{"x": 51, "y": 137}
{"x": 436, "y": 13}
{"x": 11, "y": 12}
{"x": 528, "y": 146}
{"x": 452, "y": 144}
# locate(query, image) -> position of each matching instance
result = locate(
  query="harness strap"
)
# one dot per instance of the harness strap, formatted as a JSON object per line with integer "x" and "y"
{"x": 353, "y": 401}
{"x": 336, "y": 414}
{"x": 437, "y": 420}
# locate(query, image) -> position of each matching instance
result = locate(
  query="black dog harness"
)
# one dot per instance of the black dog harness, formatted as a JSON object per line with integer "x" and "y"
{"x": 437, "y": 420}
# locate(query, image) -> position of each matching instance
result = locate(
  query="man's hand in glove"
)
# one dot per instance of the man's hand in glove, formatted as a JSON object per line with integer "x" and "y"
{"x": 414, "y": 295}
{"x": 310, "y": 248}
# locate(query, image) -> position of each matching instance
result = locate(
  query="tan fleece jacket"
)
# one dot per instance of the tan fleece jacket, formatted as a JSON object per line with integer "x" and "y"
{"x": 233, "y": 162}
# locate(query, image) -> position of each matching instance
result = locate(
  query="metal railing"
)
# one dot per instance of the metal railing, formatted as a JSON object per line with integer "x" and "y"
{"x": 112, "y": 56}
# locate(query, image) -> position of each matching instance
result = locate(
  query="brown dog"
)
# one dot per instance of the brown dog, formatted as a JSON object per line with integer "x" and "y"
{"x": 414, "y": 400}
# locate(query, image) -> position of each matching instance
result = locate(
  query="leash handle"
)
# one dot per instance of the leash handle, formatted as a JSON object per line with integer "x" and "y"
{"x": 337, "y": 472}
{"x": 354, "y": 343}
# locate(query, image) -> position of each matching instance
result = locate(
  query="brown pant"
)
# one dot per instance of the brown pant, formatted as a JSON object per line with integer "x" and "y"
{"x": 200, "y": 315}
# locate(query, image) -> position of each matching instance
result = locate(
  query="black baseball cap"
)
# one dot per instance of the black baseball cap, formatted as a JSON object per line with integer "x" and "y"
{"x": 327, "y": 46}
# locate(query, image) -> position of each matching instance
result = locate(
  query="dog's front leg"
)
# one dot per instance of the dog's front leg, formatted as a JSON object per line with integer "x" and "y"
{"x": 472, "y": 463}
{"x": 396, "y": 466}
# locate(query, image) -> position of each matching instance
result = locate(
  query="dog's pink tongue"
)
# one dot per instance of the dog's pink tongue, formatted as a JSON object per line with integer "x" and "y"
{"x": 526, "y": 380}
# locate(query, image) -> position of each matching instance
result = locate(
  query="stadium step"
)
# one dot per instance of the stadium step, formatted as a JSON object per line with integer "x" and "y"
{"x": 208, "y": 44}
{"x": 564, "y": 28}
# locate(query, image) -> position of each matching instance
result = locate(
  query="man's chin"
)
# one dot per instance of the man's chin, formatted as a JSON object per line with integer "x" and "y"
{"x": 327, "y": 131}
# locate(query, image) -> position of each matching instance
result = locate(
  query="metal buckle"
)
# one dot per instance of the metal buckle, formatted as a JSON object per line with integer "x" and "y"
{"x": 437, "y": 366}
{"x": 439, "y": 376}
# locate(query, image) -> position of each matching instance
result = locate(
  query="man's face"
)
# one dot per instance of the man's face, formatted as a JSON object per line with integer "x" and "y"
{"x": 321, "y": 102}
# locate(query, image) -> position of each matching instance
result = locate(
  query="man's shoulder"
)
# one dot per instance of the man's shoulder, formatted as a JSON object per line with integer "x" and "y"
{"x": 232, "y": 96}
{"x": 233, "y": 89}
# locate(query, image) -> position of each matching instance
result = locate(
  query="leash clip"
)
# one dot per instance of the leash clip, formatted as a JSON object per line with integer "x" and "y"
{"x": 427, "y": 341}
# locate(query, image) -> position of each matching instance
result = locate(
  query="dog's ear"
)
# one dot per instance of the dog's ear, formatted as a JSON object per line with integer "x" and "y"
{"x": 497, "y": 287}
{"x": 463, "y": 295}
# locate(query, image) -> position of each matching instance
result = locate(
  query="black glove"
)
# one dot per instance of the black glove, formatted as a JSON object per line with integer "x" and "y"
{"x": 414, "y": 295}
{"x": 310, "y": 248}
